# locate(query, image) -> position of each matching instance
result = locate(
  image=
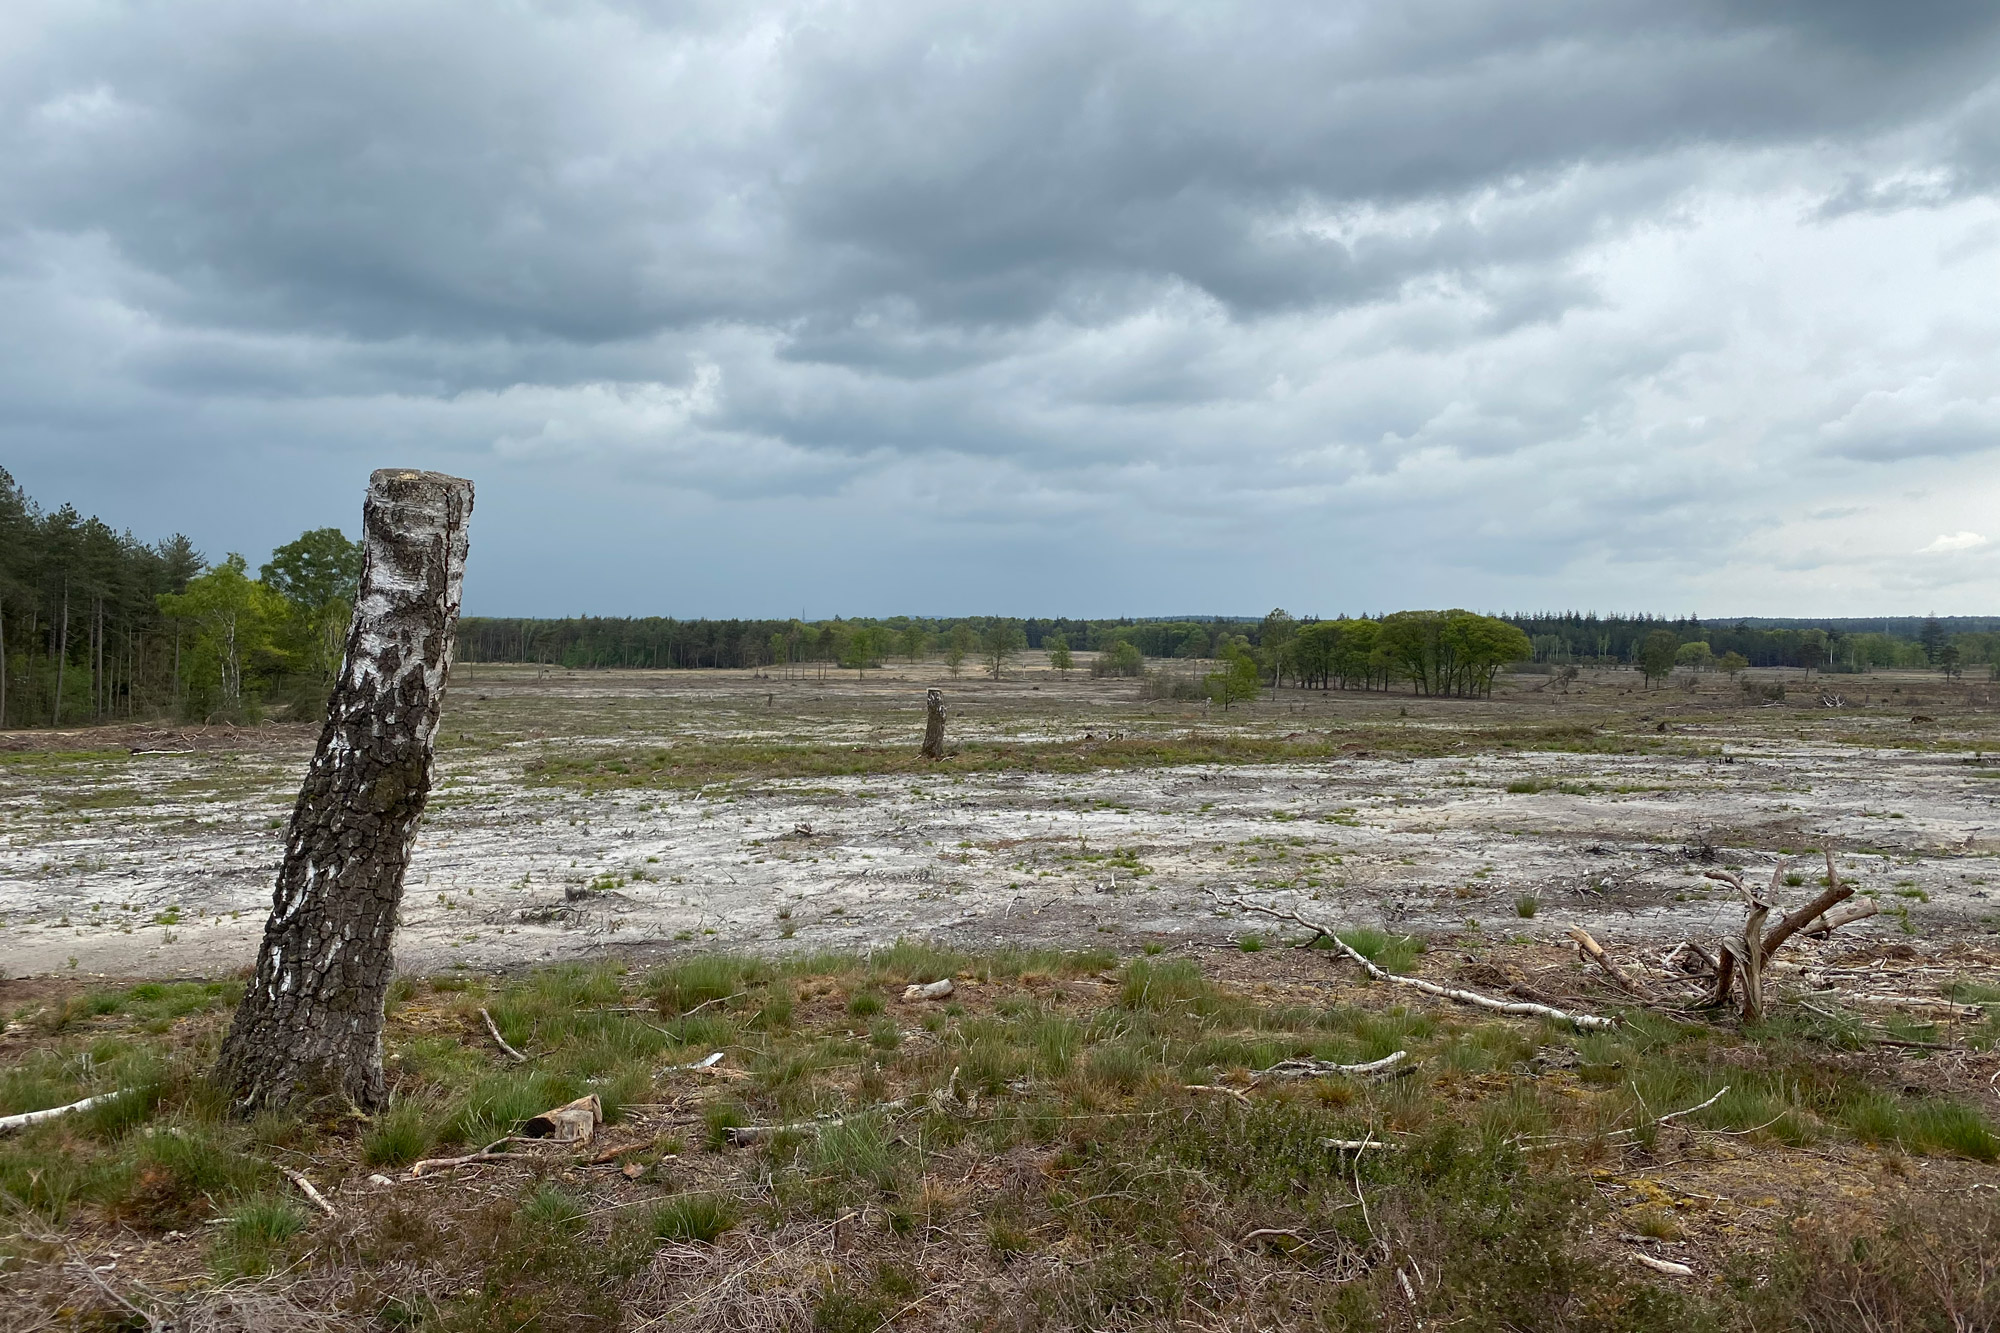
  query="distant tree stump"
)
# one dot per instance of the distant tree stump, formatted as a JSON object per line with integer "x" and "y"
{"x": 933, "y": 724}
{"x": 310, "y": 1025}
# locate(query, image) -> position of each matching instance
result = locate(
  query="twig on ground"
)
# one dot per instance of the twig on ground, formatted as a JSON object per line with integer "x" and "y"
{"x": 1667, "y": 1266}
{"x": 494, "y": 1030}
{"x": 1522, "y": 1008}
{"x": 1673, "y": 1115}
{"x": 720, "y": 999}
{"x": 306, "y": 1188}
{"x": 486, "y": 1154}
{"x": 26, "y": 1118}
{"x": 1358, "y": 1145}
{"x": 1303, "y": 1068}
{"x": 1237, "y": 1093}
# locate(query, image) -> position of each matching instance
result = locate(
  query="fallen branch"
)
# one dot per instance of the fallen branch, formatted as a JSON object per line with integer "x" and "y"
{"x": 26, "y": 1118}
{"x": 1667, "y": 1266}
{"x": 1594, "y": 951}
{"x": 500, "y": 1041}
{"x": 1846, "y": 916}
{"x": 306, "y": 1188}
{"x": 1521, "y": 1008}
{"x": 1226, "y": 1091}
{"x": 1951, "y": 1008}
{"x": 486, "y": 1154}
{"x": 1357, "y": 1145}
{"x": 743, "y": 1136}
{"x": 1673, "y": 1115}
{"x": 1327, "y": 1069}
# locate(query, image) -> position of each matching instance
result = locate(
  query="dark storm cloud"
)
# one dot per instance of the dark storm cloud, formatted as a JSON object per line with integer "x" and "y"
{"x": 1423, "y": 271}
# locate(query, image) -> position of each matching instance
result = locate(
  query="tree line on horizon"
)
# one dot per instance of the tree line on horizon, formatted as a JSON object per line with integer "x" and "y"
{"x": 96, "y": 625}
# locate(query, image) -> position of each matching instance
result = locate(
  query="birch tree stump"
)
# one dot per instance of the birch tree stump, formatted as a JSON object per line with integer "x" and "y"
{"x": 310, "y": 1025}
{"x": 933, "y": 724}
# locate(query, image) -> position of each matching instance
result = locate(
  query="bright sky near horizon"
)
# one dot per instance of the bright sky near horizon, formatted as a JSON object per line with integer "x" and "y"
{"x": 1060, "y": 308}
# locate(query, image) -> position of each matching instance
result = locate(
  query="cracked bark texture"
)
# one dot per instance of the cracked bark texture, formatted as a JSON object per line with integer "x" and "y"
{"x": 310, "y": 1025}
{"x": 933, "y": 724}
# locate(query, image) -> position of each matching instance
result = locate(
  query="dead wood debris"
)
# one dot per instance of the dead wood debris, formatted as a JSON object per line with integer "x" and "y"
{"x": 26, "y": 1118}
{"x": 1523, "y": 1008}
{"x": 493, "y": 1029}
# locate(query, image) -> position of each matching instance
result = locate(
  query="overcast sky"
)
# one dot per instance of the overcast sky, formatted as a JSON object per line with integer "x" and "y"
{"x": 1084, "y": 308}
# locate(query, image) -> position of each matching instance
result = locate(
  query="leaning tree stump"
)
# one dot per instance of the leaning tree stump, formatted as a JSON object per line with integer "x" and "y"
{"x": 310, "y": 1025}
{"x": 933, "y": 724}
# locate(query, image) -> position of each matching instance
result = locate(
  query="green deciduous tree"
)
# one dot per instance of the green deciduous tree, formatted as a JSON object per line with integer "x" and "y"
{"x": 1238, "y": 677}
{"x": 233, "y": 625}
{"x": 958, "y": 646}
{"x": 1451, "y": 652}
{"x": 1059, "y": 654}
{"x": 1656, "y": 654}
{"x": 998, "y": 644}
{"x": 316, "y": 575}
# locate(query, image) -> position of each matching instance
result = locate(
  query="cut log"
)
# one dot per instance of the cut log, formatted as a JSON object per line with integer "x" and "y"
{"x": 572, "y": 1122}
{"x": 310, "y": 1024}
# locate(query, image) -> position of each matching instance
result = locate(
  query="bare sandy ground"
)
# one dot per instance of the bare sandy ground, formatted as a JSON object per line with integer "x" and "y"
{"x": 159, "y": 864}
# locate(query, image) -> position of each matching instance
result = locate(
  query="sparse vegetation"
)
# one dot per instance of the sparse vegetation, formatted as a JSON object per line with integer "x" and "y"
{"x": 906, "y": 1146}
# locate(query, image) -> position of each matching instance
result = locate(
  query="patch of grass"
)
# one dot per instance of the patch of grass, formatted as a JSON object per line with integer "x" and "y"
{"x": 1951, "y": 1127}
{"x": 691, "y": 1217}
{"x": 257, "y": 1234}
{"x": 697, "y": 764}
{"x": 399, "y": 1136}
{"x": 1526, "y": 905}
{"x": 706, "y": 979}
{"x": 1391, "y": 953}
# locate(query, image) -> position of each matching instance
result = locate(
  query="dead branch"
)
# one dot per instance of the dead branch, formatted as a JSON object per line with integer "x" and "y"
{"x": 1237, "y": 1093}
{"x": 1594, "y": 951}
{"x": 306, "y": 1188}
{"x": 1521, "y": 1008}
{"x": 1357, "y": 1145}
{"x": 1846, "y": 916}
{"x": 1752, "y": 961}
{"x": 1303, "y": 1068}
{"x": 1951, "y": 1009}
{"x": 490, "y": 1153}
{"x": 26, "y": 1118}
{"x": 494, "y": 1030}
{"x": 1673, "y": 1115}
{"x": 1667, "y": 1266}
{"x": 1835, "y": 893}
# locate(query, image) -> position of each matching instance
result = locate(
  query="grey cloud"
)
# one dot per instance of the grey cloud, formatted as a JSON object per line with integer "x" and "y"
{"x": 1434, "y": 295}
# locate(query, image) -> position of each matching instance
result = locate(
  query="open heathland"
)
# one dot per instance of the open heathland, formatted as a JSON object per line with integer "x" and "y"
{"x": 702, "y": 898}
